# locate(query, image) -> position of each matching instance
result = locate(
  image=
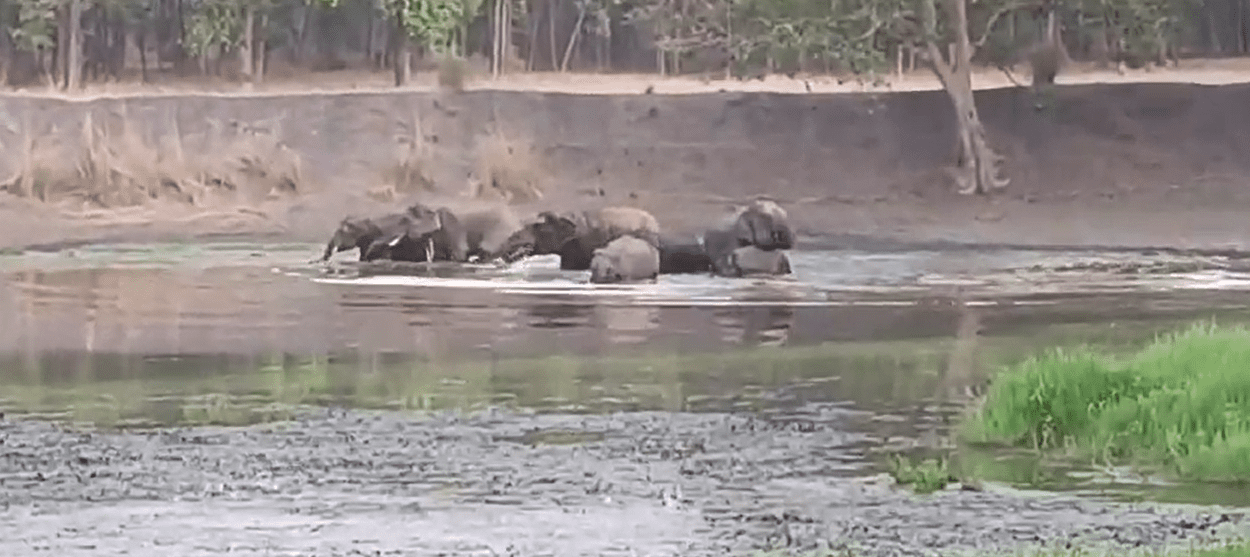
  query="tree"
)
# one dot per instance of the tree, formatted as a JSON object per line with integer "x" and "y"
{"x": 430, "y": 24}
{"x": 940, "y": 28}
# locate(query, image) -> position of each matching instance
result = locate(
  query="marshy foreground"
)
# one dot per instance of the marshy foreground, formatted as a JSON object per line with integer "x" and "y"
{"x": 210, "y": 399}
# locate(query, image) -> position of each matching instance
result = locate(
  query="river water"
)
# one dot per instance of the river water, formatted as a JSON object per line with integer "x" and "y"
{"x": 211, "y": 398}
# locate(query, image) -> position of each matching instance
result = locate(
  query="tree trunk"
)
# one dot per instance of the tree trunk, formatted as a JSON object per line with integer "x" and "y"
{"x": 978, "y": 165}
{"x": 496, "y": 43}
{"x": 551, "y": 34}
{"x": 262, "y": 46}
{"x": 505, "y": 35}
{"x": 577, "y": 32}
{"x": 369, "y": 39}
{"x": 1213, "y": 32}
{"x": 73, "y": 79}
{"x": 535, "y": 22}
{"x": 729, "y": 42}
{"x": 60, "y": 57}
{"x": 301, "y": 38}
{"x": 142, "y": 40}
{"x": 403, "y": 50}
{"x": 246, "y": 56}
{"x": 1244, "y": 25}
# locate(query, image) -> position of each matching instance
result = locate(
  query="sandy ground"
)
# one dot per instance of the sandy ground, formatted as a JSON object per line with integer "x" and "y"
{"x": 1207, "y": 217}
{"x": 1200, "y": 71}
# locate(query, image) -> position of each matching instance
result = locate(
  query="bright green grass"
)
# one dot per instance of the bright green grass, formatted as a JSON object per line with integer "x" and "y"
{"x": 1225, "y": 550}
{"x": 1182, "y": 402}
{"x": 928, "y": 476}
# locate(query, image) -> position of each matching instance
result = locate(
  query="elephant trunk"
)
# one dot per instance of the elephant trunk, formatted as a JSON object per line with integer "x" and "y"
{"x": 329, "y": 250}
{"x": 783, "y": 238}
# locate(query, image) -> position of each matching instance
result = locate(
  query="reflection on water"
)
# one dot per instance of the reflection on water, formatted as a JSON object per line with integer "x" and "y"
{"x": 242, "y": 335}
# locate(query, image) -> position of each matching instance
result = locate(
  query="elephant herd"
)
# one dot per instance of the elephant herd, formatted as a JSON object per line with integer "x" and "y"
{"x": 616, "y": 243}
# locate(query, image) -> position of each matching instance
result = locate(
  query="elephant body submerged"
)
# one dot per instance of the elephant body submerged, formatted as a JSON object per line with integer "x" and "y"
{"x": 625, "y": 259}
{"x": 576, "y": 236}
{"x": 749, "y": 242}
{"x": 425, "y": 234}
{"x": 379, "y": 237}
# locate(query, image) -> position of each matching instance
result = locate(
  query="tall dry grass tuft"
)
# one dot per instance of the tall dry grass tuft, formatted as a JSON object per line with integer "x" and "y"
{"x": 411, "y": 171}
{"x": 116, "y": 166}
{"x": 508, "y": 169}
{"x": 453, "y": 73}
{"x": 1182, "y": 403}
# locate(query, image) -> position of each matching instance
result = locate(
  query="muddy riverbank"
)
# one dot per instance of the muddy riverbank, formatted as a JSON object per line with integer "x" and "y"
{"x": 1123, "y": 164}
{"x": 334, "y": 482}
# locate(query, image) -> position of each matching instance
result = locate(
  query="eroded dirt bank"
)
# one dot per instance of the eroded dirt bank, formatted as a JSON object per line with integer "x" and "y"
{"x": 500, "y": 483}
{"x": 1129, "y": 164}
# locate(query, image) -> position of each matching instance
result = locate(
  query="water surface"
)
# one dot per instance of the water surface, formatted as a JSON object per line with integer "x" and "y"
{"x": 242, "y": 333}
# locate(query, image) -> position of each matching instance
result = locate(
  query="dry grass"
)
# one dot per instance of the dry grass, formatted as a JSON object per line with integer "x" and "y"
{"x": 411, "y": 171}
{"x": 112, "y": 164}
{"x": 508, "y": 169}
{"x": 453, "y": 73}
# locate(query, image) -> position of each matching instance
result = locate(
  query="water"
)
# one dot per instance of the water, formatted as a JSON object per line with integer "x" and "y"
{"x": 243, "y": 334}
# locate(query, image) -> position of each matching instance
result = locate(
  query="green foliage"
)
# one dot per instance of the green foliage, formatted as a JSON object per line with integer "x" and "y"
{"x": 1184, "y": 402}
{"x": 431, "y": 23}
{"x": 929, "y": 476}
{"x": 214, "y": 23}
{"x": 36, "y": 24}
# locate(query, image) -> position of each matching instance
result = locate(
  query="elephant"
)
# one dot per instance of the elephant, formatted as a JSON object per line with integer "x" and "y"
{"x": 625, "y": 259}
{"x": 763, "y": 224}
{"x": 684, "y": 255}
{"x": 750, "y": 260}
{"x": 432, "y": 235}
{"x": 487, "y": 228}
{"x": 367, "y": 234}
{"x": 422, "y": 233}
{"x": 575, "y": 236}
{"x": 739, "y": 245}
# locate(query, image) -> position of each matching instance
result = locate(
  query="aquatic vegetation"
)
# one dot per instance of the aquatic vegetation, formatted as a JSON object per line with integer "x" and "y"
{"x": 1226, "y": 549}
{"x": 929, "y": 476}
{"x": 1182, "y": 402}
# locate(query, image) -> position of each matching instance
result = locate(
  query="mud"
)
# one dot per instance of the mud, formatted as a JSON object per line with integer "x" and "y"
{"x": 335, "y": 482}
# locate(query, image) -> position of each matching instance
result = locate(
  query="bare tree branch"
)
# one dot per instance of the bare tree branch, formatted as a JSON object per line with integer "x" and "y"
{"x": 998, "y": 14}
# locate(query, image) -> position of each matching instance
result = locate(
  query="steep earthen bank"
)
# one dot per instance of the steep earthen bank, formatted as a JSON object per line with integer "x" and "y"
{"x": 1145, "y": 164}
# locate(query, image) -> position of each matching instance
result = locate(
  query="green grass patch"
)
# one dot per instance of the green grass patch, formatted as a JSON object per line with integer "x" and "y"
{"x": 1182, "y": 402}
{"x": 927, "y": 476}
{"x": 1227, "y": 549}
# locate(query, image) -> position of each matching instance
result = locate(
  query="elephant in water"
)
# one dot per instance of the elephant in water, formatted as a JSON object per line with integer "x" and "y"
{"x": 576, "y": 236}
{"x": 750, "y": 260}
{"x": 422, "y": 233}
{"x": 749, "y": 242}
{"x": 625, "y": 259}
{"x": 486, "y": 228}
{"x": 371, "y": 235}
{"x": 431, "y": 235}
{"x": 683, "y": 255}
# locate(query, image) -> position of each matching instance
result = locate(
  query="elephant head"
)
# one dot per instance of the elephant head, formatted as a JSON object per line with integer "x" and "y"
{"x": 418, "y": 234}
{"x": 545, "y": 235}
{"x": 765, "y": 225}
{"x": 353, "y": 232}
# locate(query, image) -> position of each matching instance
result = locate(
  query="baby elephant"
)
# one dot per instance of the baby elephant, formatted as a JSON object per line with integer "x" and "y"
{"x": 625, "y": 259}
